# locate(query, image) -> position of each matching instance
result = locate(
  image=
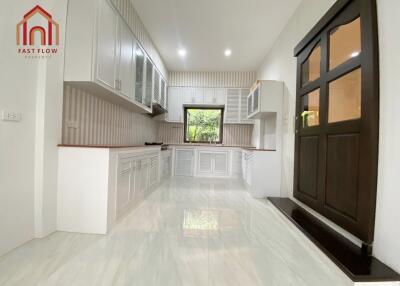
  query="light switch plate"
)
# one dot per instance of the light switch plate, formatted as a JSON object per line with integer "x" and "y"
{"x": 11, "y": 116}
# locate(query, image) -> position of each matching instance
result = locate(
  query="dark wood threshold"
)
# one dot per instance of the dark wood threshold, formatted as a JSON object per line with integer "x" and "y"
{"x": 350, "y": 258}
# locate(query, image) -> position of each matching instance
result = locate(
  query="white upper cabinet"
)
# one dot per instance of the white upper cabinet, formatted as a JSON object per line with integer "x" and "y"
{"x": 214, "y": 96}
{"x": 236, "y": 106}
{"x": 175, "y": 106}
{"x": 106, "y": 45}
{"x": 139, "y": 74}
{"x": 125, "y": 51}
{"x": 189, "y": 95}
{"x": 265, "y": 97}
{"x": 220, "y": 96}
{"x": 110, "y": 62}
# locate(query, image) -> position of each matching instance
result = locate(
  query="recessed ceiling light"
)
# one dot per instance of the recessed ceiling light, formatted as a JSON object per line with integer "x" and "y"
{"x": 228, "y": 52}
{"x": 355, "y": 54}
{"x": 182, "y": 53}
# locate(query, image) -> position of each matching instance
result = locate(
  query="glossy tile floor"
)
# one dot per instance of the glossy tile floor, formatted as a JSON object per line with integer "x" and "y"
{"x": 187, "y": 232}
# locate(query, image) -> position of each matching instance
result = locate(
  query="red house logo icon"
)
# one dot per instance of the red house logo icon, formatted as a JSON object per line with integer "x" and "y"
{"x": 47, "y": 30}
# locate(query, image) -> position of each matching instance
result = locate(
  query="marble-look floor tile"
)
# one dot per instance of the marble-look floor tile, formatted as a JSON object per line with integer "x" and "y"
{"x": 187, "y": 232}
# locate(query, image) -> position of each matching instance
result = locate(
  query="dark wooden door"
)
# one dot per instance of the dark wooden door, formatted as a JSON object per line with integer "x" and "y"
{"x": 337, "y": 118}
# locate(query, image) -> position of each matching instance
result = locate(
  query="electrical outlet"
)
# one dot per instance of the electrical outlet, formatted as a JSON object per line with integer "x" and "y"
{"x": 11, "y": 116}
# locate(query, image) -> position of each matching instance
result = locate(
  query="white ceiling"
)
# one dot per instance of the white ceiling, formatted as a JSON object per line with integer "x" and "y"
{"x": 205, "y": 28}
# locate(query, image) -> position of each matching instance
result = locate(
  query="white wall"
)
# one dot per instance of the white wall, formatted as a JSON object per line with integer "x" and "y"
{"x": 28, "y": 152}
{"x": 280, "y": 64}
{"x": 17, "y": 93}
{"x": 387, "y": 223}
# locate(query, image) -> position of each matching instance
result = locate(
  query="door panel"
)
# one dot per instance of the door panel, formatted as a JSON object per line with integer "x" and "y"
{"x": 342, "y": 174}
{"x": 308, "y": 166}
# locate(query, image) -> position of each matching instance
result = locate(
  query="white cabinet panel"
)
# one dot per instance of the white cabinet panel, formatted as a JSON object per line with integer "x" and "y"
{"x": 106, "y": 45}
{"x": 188, "y": 95}
{"x": 198, "y": 96}
{"x": 232, "y": 106}
{"x": 124, "y": 181}
{"x": 166, "y": 164}
{"x": 214, "y": 96}
{"x": 243, "y": 107}
{"x": 236, "y": 106}
{"x": 149, "y": 83}
{"x": 221, "y": 163}
{"x": 205, "y": 165}
{"x": 220, "y": 96}
{"x": 126, "y": 45}
{"x": 213, "y": 163}
{"x": 175, "y": 107}
{"x": 209, "y": 96}
{"x": 153, "y": 180}
{"x": 236, "y": 163}
{"x": 184, "y": 159}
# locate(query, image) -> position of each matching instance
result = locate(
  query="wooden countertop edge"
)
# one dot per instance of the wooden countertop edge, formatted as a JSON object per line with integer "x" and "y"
{"x": 155, "y": 146}
{"x": 108, "y": 146}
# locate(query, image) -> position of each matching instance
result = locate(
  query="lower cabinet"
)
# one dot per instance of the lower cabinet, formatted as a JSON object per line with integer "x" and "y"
{"x": 212, "y": 163}
{"x": 261, "y": 173}
{"x": 166, "y": 164}
{"x": 97, "y": 186}
{"x": 184, "y": 162}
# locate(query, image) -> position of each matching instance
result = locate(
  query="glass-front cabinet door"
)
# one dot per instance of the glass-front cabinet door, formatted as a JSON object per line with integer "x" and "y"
{"x": 256, "y": 99}
{"x": 149, "y": 83}
{"x": 249, "y": 104}
{"x": 139, "y": 74}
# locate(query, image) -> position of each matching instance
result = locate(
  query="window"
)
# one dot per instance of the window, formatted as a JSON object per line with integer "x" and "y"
{"x": 203, "y": 124}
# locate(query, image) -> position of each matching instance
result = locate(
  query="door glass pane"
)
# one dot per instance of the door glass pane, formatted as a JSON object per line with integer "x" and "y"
{"x": 139, "y": 74}
{"x": 311, "y": 68}
{"x": 344, "y": 43}
{"x": 310, "y": 109}
{"x": 345, "y": 97}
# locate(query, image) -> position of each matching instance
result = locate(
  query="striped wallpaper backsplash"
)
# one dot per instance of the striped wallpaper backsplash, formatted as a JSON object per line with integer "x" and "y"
{"x": 233, "y": 135}
{"x": 130, "y": 15}
{"x": 212, "y": 79}
{"x": 90, "y": 120}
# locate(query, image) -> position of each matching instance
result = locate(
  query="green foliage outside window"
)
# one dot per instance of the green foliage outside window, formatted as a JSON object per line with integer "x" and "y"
{"x": 203, "y": 125}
